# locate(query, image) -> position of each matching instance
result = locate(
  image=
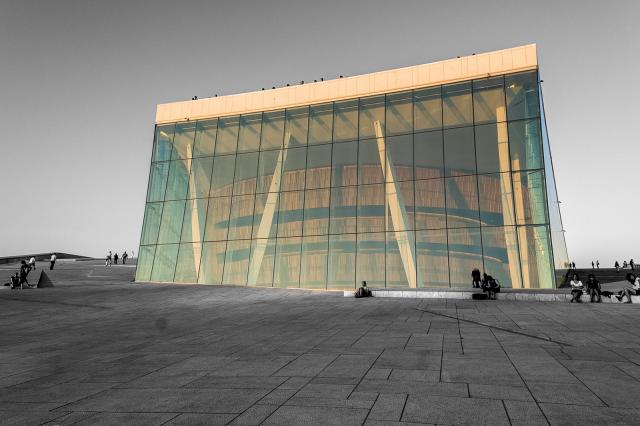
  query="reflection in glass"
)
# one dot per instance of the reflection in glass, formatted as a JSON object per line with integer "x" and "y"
{"x": 195, "y": 215}
{"x": 428, "y": 155}
{"x": 400, "y": 196}
{"x": 501, "y": 259}
{"x": 496, "y": 199}
{"x": 249, "y": 137}
{"x": 244, "y": 180}
{"x": 205, "y": 142}
{"x": 266, "y": 168}
{"x": 459, "y": 152}
{"x": 236, "y": 263}
{"x": 522, "y": 95}
{"x": 171, "y": 224}
{"x": 400, "y": 157}
{"x": 345, "y": 164}
{"x": 345, "y": 120}
{"x": 427, "y": 109}
{"x": 212, "y": 262}
{"x": 465, "y": 254}
{"x": 342, "y": 261}
{"x": 433, "y": 258}
{"x": 492, "y": 148}
{"x": 241, "y": 217}
{"x": 145, "y": 263}
{"x": 158, "y": 181}
{"x": 430, "y": 205}
{"x": 535, "y": 256}
{"x": 343, "y": 210}
{"x": 272, "y": 130}
{"x": 399, "y": 113}
{"x": 263, "y": 252}
{"x": 293, "y": 169}
{"x": 227, "y": 139}
{"x": 371, "y": 110}
{"x": 200, "y": 177}
{"x": 462, "y": 201}
{"x": 488, "y": 100}
{"x": 401, "y": 259}
{"x": 162, "y": 144}
{"x": 217, "y": 222}
{"x": 222, "y": 175}
{"x": 313, "y": 268}
{"x": 525, "y": 143}
{"x": 177, "y": 180}
{"x": 528, "y": 191}
{"x": 370, "y": 259}
{"x": 319, "y": 167}
{"x": 290, "y": 214}
{"x": 320, "y": 123}
{"x": 265, "y": 222}
{"x": 296, "y": 124}
{"x": 457, "y": 109}
{"x": 371, "y": 208}
{"x": 370, "y": 170}
{"x": 151, "y": 223}
{"x": 183, "y": 140}
{"x": 287, "y": 265}
{"x": 188, "y": 264}
{"x": 316, "y": 212}
{"x": 164, "y": 263}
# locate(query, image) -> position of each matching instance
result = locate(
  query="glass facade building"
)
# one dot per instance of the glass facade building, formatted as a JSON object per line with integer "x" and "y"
{"x": 405, "y": 188}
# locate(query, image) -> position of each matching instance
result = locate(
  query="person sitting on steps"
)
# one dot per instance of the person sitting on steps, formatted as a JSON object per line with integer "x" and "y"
{"x": 363, "y": 291}
{"x": 490, "y": 285}
{"x": 633, "y": 291}
{"x": 576, "y": 289}
{"x": 593, "y": 286}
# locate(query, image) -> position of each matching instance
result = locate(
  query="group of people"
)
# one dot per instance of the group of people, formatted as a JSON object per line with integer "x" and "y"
{"x": 631, "y": 264}
{"x": 20, "y": 278}
{"x": 487, "y": 283}
{"x": 112, "y": 259}
{"x": 594, "y": 290}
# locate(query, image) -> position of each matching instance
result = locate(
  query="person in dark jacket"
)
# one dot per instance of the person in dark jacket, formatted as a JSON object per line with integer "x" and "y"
{"x": 24, "y": 271}
{"x": 475, "y": 278}
{"x": 490, "y": 285}
{"x": 363, "y": 291}
{"x": 593, "y": 287}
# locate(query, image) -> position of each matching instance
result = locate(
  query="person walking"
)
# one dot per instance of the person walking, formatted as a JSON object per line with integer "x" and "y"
{"x": 576, "y": 289}
{"x": 24, "y": 271}
{"x": 593, "y": 265}
{"x": 124, "y": 257}
{"x": 597, "y": 264}
{"x": 32, "y": 262}
{"x": 115, "y": 258}
{"x": 617, "y": 266}
{"x": 107, "y": 260}
{"x": 53, "y": 261}
{"x": 632, "y": 264}
{"x": 594, "y": 289}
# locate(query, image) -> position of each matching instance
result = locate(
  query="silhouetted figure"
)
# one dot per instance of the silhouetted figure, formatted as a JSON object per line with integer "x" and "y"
{"x": 632, "y": 264}
{"x": 24, "y": 271}
{"x": 576, "y": 289}
{"x": 115, "y": 258}
{"x": 597, "y": 264}
{"x": 124, "y": 257}
{"x": 593, "y": 265}
{"x": 32, "y": 262}
{"x": 624, "y": 264}
{"x": 107, "y": 259}
{"x": 363, "y": 291}
{"x": 475, "y": 278}
{"x": 593, "y": 287}
{"x": 617, "y": 266}
{"x": 490, "y": 285}
{"x": 634, "y": 290}
{"x": 52, "y": 260}
{"x": 15, "y": 281}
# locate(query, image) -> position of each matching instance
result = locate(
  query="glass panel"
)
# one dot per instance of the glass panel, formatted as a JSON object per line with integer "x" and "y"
{"x": 401, "y": 261}
{"x": 178, "y": 180}
{"x": 188, "y": 264}
{"x": 270, "y": 226}
{"x": 427, "y": 109}
{"x": 290, "y": 214}
{"x": 320, "y": 123}
{"x": 535, "y": 255}
{"x": 433, "y": 258}
{"x": 164, "y": 263}
{"x": 345, "y": 164}
{"x": 205, "y": 138}
{"x": 151, "y": 223}
{"x": 287, "y": 266}
{"x": 459, "y": 152}
{"x": 371, "y": 111}
{"x": 195, "y": 215}
{"x": 342, "y": 262}
{"x": 241, "y": 217}
{"x": 244, "y": 180}
{"x": 313, "y": 268}
{"x": 370, "y": 259}
{"x": 496, "y": 199}
{"x": 525, "y": 143}
{"x": 488, "y": 100}
{"x": 369, "y": 168}
{"x": 145, "y": 263}
{"x": 296, "y": 124}
{"x": 429, "y": 156}
{"x": 158, "y": 181}
{"x": 200, "y": 177}
{"x": 465, "y": 254}
{"x": 399, "y": 113}
{"x": 371, "y": 208}
{"x": 266, "y": 168}
{"x": 217, "y": 219}
{"x": 528, "y": 191}
{"x": 345, "y": 120}
{"x": 319, "y": 167}
{"x": 171, "y": 225}
{"x": 222, "y": 175}
{"x": 272, "y": 130}
{"x": 457, "y": 109}
{"x": 522, "y": 95}
{"x": 400, "y": 206}
{"x": 183, "y": 140}
{"x": 430, "y": 204}
{"x": 400, "y": 157}
{"x": 263, "y": 253}
{"x": 501, "y": 258}
{"x": 462, "y": 202}
{"x": 293, "y": 169}
{"x": 227, "y": 139}
{"x": 316, "y": 212}
{"x": 492, "y": 148}
{"x": 163, "y": 141}
{"x": 249, "y": 138}
{"x": 343, "y": 210}
{"x": 212, "y": 262}
{"x": 236, "y": 262}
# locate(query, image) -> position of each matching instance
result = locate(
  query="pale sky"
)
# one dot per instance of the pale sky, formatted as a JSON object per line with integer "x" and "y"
{"x": 79, "y": 82}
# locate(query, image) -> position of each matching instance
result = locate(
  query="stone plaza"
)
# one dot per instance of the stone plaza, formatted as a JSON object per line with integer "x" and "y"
{"x": 100, "y": 349}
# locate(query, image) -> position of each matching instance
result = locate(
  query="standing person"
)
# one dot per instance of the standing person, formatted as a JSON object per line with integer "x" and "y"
{"x": 632, "y": 264}
{"x": 633, "y": 291}
{"x": 115, "y": 258}
{"x": 576, "y": 289}
{"x": 593, "y": 287}
{"x": 124, "y": 257}
{"x": 617, "y": 266}
{"x": 52, "y": 260}
{"x": 107, "y": 260}
{"x": 475, "y": 278}
{"x": 593, "y": 265}
{"x": 597, "y": 264}
{"x": 624, "y": 264}
{"x": 32, "y": 262}
{"x": 24, "y": 271}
